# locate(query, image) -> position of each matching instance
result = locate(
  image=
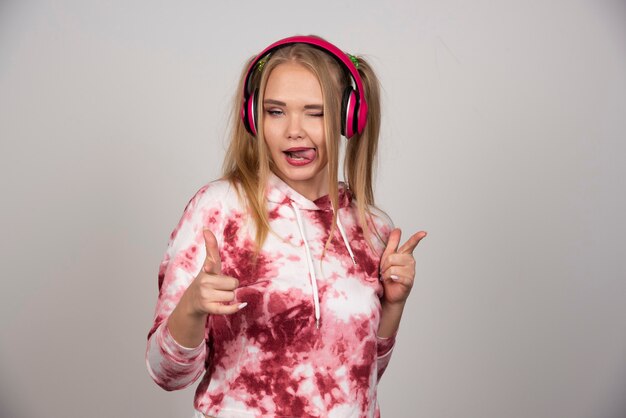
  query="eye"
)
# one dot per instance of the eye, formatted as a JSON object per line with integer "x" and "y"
{"x": 274, "y": 112}
{"x": 317, "y": 114}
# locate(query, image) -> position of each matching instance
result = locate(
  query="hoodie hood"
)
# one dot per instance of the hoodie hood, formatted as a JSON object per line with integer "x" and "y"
{"x": 280, "y": 192}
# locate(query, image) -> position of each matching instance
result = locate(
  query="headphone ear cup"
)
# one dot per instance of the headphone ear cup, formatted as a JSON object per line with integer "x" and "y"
{"x": 348, "y": 112}
{"x": 249, "y": 113}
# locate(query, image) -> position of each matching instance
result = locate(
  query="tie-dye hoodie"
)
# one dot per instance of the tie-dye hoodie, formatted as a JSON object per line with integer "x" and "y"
{"x": 306, "y": 344}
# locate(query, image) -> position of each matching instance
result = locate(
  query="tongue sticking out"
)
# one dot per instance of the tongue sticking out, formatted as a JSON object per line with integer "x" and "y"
{"x": 307, "y": 154}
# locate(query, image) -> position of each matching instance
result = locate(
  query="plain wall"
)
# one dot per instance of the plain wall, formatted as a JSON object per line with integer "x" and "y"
{"x": 503, "y": 136}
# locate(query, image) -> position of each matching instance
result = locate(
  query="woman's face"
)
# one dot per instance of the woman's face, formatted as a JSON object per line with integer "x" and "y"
{"x": 293, "y": 127}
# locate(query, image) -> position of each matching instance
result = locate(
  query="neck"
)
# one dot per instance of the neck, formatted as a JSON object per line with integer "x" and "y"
{"x": 312, "y": 189}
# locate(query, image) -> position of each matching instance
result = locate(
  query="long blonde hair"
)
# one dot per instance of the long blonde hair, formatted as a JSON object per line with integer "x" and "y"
{"x": 247, "y": 162}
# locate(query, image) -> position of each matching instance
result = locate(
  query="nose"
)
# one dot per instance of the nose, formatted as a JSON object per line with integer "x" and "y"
{"x": 295, "y": 130}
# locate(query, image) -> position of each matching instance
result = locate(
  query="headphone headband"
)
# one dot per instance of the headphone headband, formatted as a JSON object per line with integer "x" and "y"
{"x": 360, "y": 106}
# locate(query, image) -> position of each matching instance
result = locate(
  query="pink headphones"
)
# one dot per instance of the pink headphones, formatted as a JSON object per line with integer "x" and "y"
{"x": 353, "y": 107}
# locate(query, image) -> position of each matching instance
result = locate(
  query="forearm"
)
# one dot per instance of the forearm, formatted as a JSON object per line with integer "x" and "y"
{"x": 186, "y": 327}
{"x": 176, "y": 353}
{"x": 390, "y": 317}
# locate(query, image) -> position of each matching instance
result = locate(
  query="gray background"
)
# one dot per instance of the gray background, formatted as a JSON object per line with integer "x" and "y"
{"x": 503, "y": 137}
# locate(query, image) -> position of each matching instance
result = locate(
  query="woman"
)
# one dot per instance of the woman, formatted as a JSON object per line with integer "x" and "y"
{"x": 282, "y": 285}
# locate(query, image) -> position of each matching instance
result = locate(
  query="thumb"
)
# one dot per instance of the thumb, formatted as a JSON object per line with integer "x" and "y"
{"x": 213, "y": 261}
{"x": 392, "y": 243}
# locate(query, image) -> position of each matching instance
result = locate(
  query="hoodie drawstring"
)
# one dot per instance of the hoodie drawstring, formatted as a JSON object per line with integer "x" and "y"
{"x": 309, "y": 258}
{"x": 345, "y": 239}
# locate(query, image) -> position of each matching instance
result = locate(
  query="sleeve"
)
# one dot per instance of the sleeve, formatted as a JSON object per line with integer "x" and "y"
{"x": 384, "y": 346}
{"x": 171, "y": 365}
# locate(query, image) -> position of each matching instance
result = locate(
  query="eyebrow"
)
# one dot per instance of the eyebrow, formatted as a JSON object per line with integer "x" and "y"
{"x": 279, "y": 103}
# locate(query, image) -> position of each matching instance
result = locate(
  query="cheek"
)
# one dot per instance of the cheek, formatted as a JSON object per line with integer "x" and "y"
{"x": 270, "y": 135}
{"x": 319, "y": 138}
{"x": 321, "y": 146}
{"x": 322, "y": 152}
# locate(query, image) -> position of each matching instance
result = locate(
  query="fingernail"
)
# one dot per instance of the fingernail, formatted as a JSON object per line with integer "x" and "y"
{"x": 243, "y": 305}
{"x": 394, "y": 277}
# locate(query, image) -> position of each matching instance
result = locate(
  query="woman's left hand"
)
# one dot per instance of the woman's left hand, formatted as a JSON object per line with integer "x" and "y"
{"x": 397, "y": 267}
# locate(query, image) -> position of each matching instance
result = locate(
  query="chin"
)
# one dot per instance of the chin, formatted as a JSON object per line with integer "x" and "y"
{"x": 299, "y": 175}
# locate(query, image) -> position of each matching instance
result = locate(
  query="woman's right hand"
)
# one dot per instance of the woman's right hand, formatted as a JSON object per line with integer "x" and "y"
{"x": 211, "y": 292}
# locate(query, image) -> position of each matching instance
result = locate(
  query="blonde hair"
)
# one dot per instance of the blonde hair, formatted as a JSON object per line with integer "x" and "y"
{"x": 247, "y": 162}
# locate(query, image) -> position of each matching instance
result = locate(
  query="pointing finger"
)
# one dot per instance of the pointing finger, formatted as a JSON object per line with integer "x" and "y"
{"x": 392, "y": 243}
{"x": 213, "y": 262}
{"x": 409, "y": 246}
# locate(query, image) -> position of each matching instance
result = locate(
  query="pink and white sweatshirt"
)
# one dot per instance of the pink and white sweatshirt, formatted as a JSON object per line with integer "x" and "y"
{"x": 306, "y": 344}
